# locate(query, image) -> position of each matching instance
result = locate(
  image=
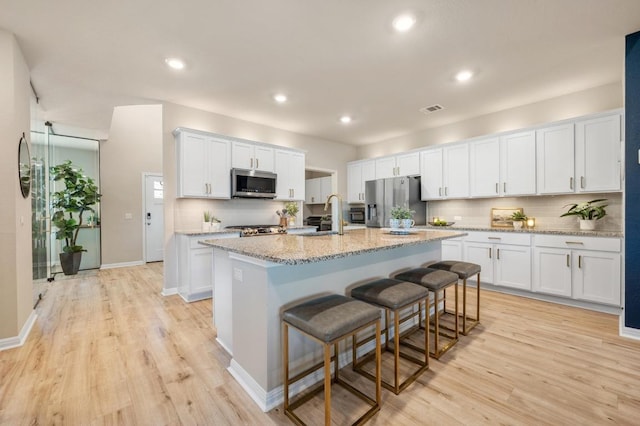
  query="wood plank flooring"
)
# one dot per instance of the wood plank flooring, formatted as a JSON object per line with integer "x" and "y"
{"x": 108, "y": 349}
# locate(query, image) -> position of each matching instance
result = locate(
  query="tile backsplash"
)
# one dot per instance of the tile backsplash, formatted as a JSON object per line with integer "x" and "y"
{"x": 545, "y": 209}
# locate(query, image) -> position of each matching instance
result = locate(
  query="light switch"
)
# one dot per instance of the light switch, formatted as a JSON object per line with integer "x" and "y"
{"x": 128, "y": 216}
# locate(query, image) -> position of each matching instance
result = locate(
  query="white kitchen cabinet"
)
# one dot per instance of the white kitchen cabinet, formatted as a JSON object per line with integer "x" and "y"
{"x": 445, "y": 172}
{"x": 583, "y": 268}
{"x": 505, "y": 258}
{"x": 246, "y": 155}
{"x": 204, "y": 162}
{"x": 452, "y": 249}
{"x": 503, "y": 166}
{"x": 598, "y": 150}
{"x": 518, "y": 164}
{"x": 358, "y": 172}
{"x": 289, "y": 166}
{"x": 195, "y": 266}
{"x": 407, "y": 164}
{"x": 317, "y": 190}
{"x": 555, "y": 159}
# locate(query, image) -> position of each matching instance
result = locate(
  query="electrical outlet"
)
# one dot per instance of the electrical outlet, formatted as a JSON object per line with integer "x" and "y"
{"x": 128, "y": 216}
{"x": 457, "y": 218}
{"x": 237, "y": 274}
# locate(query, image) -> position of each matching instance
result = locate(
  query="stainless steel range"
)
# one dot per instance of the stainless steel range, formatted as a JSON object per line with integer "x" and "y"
{"x": 258, "y": 230}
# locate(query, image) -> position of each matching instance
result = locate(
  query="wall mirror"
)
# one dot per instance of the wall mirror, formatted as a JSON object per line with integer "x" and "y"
{"x": 24, "y": 166}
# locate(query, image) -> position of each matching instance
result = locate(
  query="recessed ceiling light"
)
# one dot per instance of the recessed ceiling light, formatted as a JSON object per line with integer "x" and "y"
{"x": 280, "y": 98}
{"x": 403, "y": 23}
{"x": 464, "y": 75}
{"x": 345, "y": 119}
{"x": 175, "y": 63}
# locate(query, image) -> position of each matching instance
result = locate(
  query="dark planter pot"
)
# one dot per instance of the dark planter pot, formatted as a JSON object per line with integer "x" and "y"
{"x": 70, "y": 262}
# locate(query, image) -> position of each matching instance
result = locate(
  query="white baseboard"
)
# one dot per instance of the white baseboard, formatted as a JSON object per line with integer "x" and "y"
{"x": 14, "y": 342}
{"x": 628, "y": 332}
{"x": 225, "y": 347}
{"x": 122, "y": 264}
{"x": 169, "y": 291}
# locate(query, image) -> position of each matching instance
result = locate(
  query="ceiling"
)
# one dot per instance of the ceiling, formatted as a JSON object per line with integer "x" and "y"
{"x": 330, "y": 57}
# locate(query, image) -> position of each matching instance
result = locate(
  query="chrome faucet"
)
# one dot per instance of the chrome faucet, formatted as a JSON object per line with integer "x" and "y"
{"x": 326, "y": 206}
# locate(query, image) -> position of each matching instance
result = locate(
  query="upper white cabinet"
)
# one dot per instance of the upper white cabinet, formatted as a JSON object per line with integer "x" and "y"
{"x": 484, "y": 167}
{"x": 598, "y": 154}
{"x": 398, "y": 165}
{"x": 555, "y": 157}
{"x": 358, "y": 172}
{"x": 246, "y": 155}
{"x": 317, "y": 190}
{"x": 518, "y": 164}
{"x": 445, "y": 172}
{"x": 289, "y": 166}
{"x": 203, "y": 165}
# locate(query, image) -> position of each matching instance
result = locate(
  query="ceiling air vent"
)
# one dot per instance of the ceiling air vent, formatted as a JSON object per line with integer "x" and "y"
{"x": 431, "y": 108}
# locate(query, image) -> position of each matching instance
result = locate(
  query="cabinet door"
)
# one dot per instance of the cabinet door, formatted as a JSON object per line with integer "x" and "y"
{"x": 452, "y": 250}
{"x": 408, "y": 164}
{"x": 513, "y": 266}
{"x": 242, "y": 155}
{"x": 325, "y": 188}
{"x": 598, "y": 154}
{"x": 481, "y": 254}
{"x": 385, "y": 167}
{"x": 200, "y": 272}
{"x": 193, "y": 166}
{"x": 431, "y": 171}
{"x": 312, "y": 191}
{"x": 368, "y": 173}
{"x": 484, "y": 166}
{"x": 296, "y": 165}
{"x": 596, "y": 276}
{"x": 289, "y": 167}
{"x": 219, "y": 165}
{"x": 456, "y": 171}
{"x": 552, "y": 271}
{"x": 354, "y": 183}
{"x": 555, "y": 159}
{"x": 264, "y": 158}
{"x": 518, "y": 164}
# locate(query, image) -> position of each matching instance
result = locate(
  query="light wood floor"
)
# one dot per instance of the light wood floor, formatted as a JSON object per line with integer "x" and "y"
{"x": 109, "y": 349}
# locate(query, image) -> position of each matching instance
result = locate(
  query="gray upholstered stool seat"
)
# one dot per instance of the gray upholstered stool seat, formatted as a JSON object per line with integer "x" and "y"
{"x": 464, "y": 270}
{"x": 394, "y": 296}
{"x": 328, "y": 320}
{"x": 435, "y": 280}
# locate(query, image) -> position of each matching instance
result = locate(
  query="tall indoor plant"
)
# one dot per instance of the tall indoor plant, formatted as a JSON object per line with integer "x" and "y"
{"x": 79, "y": 194}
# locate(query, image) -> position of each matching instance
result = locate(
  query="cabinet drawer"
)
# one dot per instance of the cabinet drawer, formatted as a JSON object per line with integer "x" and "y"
{"x": 499, "y": 238}
{"x": 578, "y": 243}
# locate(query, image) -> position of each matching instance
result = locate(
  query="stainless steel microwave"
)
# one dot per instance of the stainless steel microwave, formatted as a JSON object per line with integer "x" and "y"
{"x": 252, "y": 184}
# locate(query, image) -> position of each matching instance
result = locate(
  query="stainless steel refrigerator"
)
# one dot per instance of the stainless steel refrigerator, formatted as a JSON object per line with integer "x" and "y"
{"x": 382, "y": 194}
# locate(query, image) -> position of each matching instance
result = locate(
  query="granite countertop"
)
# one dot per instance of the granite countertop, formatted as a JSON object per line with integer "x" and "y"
{"x": 536, "y": 230}
{"x": 300, "y": 249}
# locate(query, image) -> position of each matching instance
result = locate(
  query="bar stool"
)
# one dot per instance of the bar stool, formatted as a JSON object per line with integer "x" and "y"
{"x": 464, "y": 270}
{"x": 328, "y": 320}
{"x": 436, "y": 281}
{"x": 393, "y": 296}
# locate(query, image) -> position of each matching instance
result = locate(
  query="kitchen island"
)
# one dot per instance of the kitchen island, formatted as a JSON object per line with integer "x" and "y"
{"x": 255, "y": 279}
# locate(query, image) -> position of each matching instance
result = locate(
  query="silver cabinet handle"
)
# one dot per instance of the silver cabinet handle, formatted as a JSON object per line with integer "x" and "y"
{"x": 568, "y": 261}
{"x": 497, "y": 188}
{"x": 504, "y": 187}
{"x": 570, "y": 183}
{"x": 582, "y": 182}
{"x": 489, "y": 252}
{"x": 446, "y": 190}
{"x": 440, "y": 191}
{"x": 494, "y": 238}
{"x": 498, "y": 254}
{"x": 574, "y": 242}
{"x": 257, "y": 163}
{"x": 580, "y": 261}
{"x": 251, "y": 166}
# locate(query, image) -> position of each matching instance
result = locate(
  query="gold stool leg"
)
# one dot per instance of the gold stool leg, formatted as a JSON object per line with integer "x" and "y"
{"x": 464, "y": 306}
{"x": 285, "y": 361}
{"x": 327, "y": 384}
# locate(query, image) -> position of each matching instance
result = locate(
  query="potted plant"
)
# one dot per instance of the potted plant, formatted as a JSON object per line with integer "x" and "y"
{"x": 588, "y": 212}
{"x": 78, "y": 195}
{"x": 215, "y": 224}
{"x": 291, "y": 209}
{"x": 401, "y": 215}
{"x": 518, "y": 218}
{"x": 206, "y": 223}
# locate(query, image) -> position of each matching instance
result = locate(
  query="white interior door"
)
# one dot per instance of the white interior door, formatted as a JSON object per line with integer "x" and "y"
{"x": 153, "y": 218}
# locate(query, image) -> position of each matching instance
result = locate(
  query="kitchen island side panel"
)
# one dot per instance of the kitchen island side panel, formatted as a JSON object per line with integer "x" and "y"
{"x": 632, "y": 182}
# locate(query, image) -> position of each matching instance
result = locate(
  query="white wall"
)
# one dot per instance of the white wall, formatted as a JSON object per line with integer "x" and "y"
{"x": 134, "y": 147}
{"x": 15, "y": 213}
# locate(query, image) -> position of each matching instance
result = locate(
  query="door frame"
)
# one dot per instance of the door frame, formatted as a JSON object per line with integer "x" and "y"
{"x": 143, "y": 222}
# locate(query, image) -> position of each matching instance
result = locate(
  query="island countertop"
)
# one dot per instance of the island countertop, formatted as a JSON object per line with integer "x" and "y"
{"x": 300, "y": 249}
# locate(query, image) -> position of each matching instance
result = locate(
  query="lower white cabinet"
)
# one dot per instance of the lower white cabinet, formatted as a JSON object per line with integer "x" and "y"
{"x": 452, "y": 249}
{"x": 195, "y": 266}
{"x": 583, "y": 268}
{"x": 505, "y": 258}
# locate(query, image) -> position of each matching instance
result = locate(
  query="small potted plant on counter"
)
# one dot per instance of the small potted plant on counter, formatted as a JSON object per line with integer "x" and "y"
{"x": 401, "y": 216}
{"x": 518, "y": 218}
{"x": 588, "y": 212}
{"x": 215, "y": 224}
{"x": 291, "y": 209}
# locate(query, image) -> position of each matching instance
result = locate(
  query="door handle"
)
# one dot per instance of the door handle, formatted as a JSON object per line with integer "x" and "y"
{"x": 440, "y": 191}
{"x": 580, "y": 261}
{"x": 504, "y": 187}
{"x": 251, "y": 166}
{"x": 568, "y": 261}
{"x": 497, "y": 188}
{"x": 571, "y": 183}
{"x": 148, "y": 218}
{"x": 498, "y": 254}
{"x": 489, "y": 252}
{"x": 582, "y": 182}
{"x": 446, "y": 190}
{"x": 257, "y": 163}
